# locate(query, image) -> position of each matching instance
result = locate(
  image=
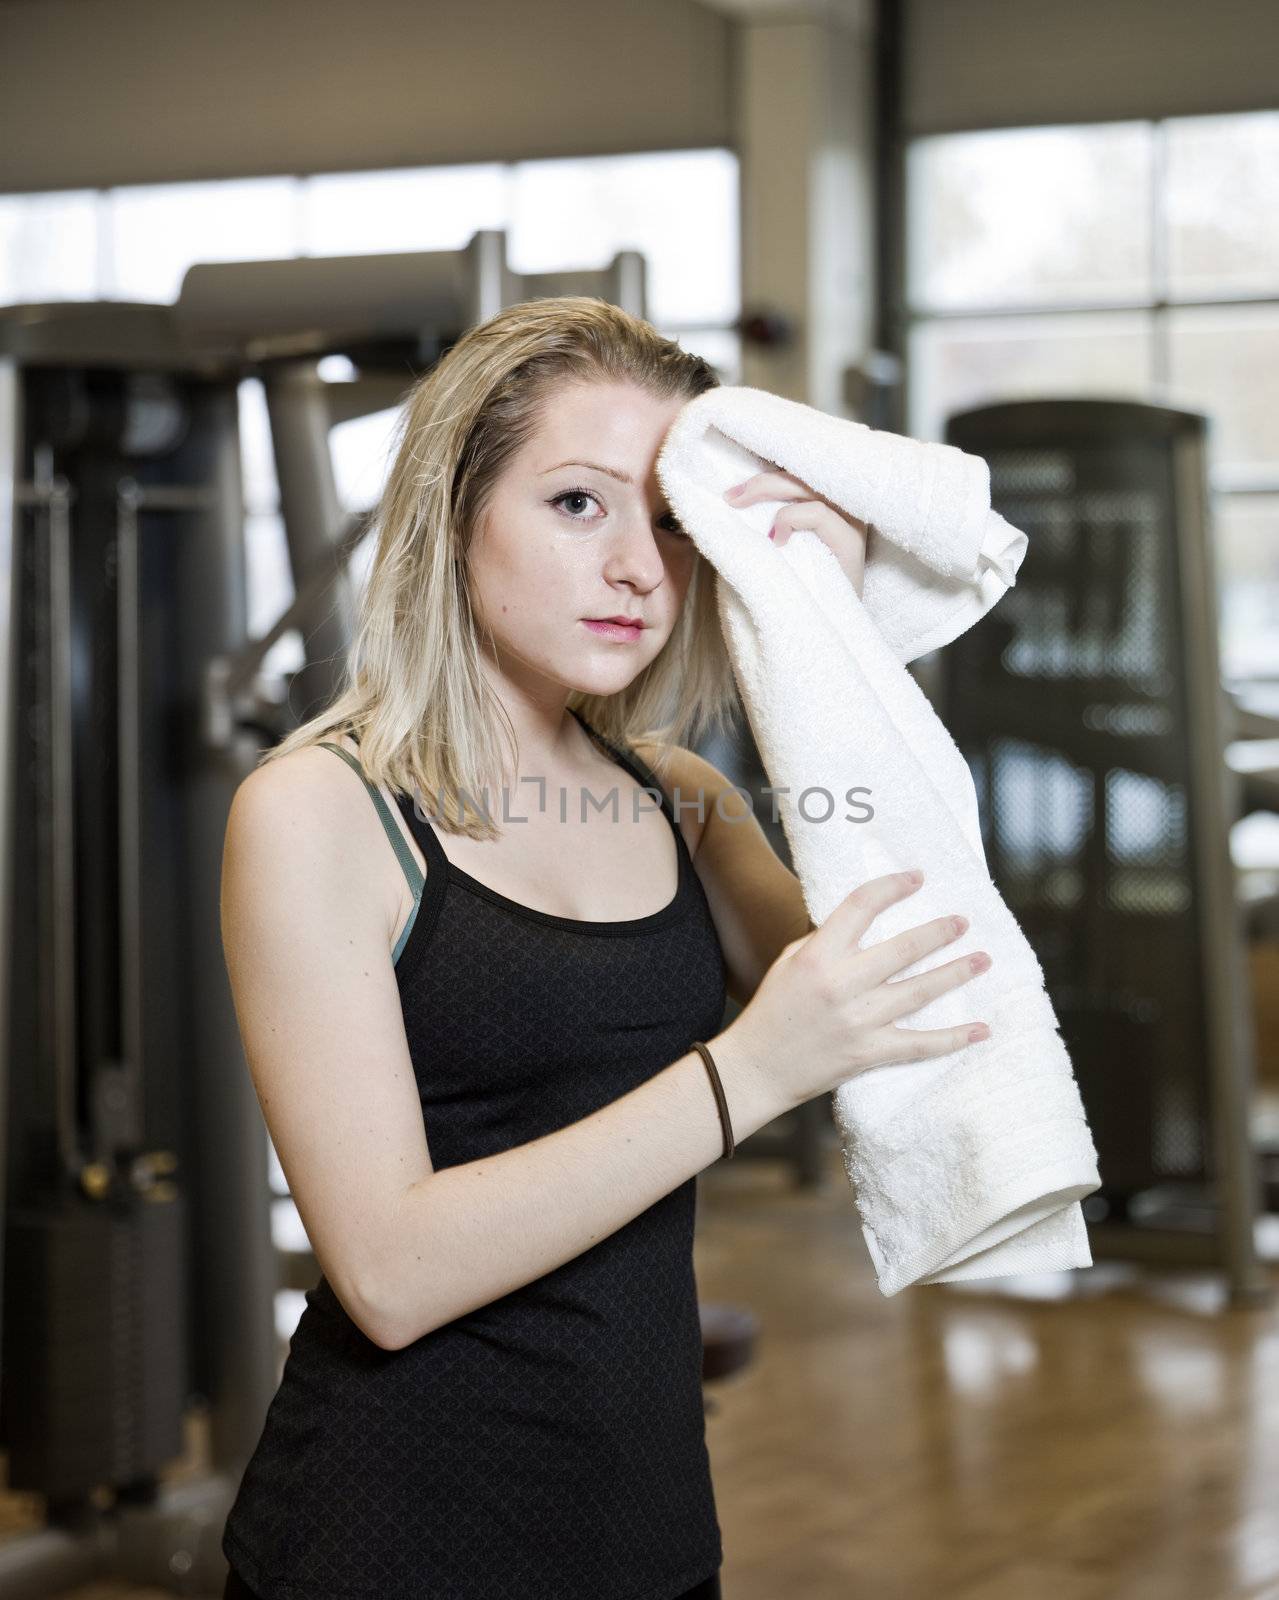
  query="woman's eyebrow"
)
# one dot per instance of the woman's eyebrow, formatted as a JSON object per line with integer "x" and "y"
{"x": 612, "y": 472}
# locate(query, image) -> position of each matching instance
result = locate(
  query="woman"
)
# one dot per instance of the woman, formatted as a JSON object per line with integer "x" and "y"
{"x": 468, "y": 976}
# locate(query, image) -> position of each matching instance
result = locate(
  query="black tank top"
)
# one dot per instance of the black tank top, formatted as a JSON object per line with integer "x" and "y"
{"x": 550, "y": 1444}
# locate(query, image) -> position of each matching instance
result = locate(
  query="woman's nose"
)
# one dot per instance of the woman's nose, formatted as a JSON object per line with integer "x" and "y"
{"x": 637, "y": 557}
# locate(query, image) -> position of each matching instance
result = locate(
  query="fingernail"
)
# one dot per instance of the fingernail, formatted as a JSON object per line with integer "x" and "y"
{"x": 772, "y": 533}
{"x": 978, "y": 1033}
{"x": 732, "y": 493}
{"x": 915, "y": 876}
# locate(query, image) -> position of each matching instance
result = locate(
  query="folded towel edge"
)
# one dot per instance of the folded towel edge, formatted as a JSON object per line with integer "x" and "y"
{"x": 1066, "y": 1181}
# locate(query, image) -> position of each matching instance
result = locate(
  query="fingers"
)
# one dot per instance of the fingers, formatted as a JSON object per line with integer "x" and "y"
{"x": 884, "y": 1001}
{"x": 856, "y": 911}
{"x": 893, "y": 1000}
{"x": 780, "y": 485}
{"x": 768, "y": 486}
{"x": 896, "y": 1045}
{"x": 878, "y": 962}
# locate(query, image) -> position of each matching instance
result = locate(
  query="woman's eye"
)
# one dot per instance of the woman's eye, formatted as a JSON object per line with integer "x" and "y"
{"x": 576, "y": 495}
{"x": 570, "y": 499}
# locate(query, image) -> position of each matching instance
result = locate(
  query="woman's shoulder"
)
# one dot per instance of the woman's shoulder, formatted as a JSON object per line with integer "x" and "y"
{"x": 303, "y": 774}
{"x": 673, "y": 763}
{"x": 686, "y": 777}
{"x": 306, "y": 812}
{"x": 316, "y": 801}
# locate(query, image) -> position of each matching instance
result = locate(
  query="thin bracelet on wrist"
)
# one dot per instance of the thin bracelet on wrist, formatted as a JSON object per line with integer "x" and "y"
{"x": 720, "y": 1098}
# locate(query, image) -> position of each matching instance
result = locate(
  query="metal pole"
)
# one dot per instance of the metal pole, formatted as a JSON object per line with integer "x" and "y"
{"x": 1230, "y": 1054}
{"x": 10, "y": 591}
{"x": 297, "y": 405}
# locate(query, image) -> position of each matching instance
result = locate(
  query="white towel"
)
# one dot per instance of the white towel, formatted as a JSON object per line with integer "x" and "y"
{"x": 972, "y": 1164}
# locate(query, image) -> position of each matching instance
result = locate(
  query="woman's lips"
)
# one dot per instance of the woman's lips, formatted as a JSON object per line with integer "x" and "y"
{"x": 614, "y": 630}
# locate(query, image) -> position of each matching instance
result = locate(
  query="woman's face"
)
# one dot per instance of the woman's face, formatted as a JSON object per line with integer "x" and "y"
{"x": 577, "y": 528}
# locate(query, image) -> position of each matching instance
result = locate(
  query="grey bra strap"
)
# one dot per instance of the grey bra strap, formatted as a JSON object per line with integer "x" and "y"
{"x": 393, "y": 832}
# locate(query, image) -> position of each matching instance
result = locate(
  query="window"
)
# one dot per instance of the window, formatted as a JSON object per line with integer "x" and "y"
{"x": 422, "y": 208}
{"x": 154, "y": 233}
{"x": 1029, "y": 217}
{"x": 1138, "y": 260}
{"x": 679, "y": 210}
{"x": 49, "y": 247}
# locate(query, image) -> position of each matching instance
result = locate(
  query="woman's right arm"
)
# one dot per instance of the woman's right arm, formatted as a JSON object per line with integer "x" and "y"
{"x": 407, "y": 1248}
{"x": 306, "y": 933}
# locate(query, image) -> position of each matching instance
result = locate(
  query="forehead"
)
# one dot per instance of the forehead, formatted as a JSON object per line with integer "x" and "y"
{"x": 615, "y": 424}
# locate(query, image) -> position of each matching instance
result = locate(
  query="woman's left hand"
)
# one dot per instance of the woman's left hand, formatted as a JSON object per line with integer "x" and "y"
{"x": 844, "y": 535}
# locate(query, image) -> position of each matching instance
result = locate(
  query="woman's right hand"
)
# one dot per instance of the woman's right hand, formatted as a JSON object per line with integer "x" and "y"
{"x": 824, "y": 1011}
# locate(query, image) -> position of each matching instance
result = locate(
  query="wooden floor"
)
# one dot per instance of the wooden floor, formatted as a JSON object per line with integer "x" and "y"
{"x": 1107, "y": 1434}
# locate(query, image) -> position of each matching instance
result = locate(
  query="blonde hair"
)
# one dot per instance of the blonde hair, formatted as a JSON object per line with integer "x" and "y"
{"x": 412, "y": 689}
